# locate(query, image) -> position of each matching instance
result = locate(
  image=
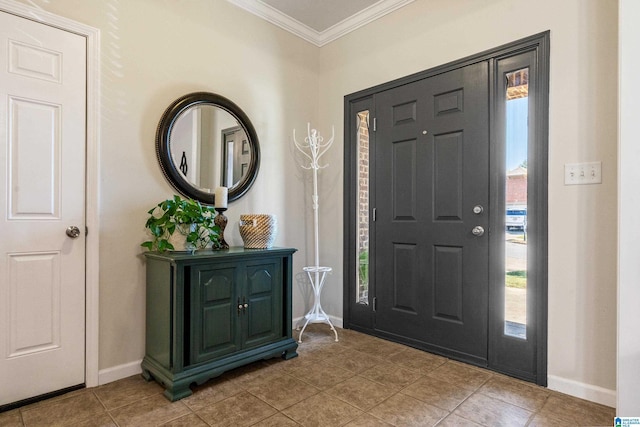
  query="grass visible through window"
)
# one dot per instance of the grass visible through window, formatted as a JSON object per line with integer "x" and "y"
{"x": 516, "y": 279}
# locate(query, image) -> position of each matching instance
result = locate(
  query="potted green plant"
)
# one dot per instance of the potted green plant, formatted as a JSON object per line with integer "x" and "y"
{"x": 188, "y": 218}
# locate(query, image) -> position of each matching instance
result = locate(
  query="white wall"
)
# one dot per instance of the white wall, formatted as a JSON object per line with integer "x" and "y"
{"x": 628, "y": 208}
{"x": 152, "y": 53}
{"x": 155, "y": 51}
{"x": 583, "y": 107}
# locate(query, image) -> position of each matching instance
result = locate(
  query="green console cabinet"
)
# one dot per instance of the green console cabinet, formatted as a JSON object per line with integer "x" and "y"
{"x": 213, "y": 311}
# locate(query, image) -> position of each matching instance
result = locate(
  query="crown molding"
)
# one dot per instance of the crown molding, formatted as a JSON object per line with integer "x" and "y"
{"x": 365, "y": 16}
{"x": 320, "y": 38}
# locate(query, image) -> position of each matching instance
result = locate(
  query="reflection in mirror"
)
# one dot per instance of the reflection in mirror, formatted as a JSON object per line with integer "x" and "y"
{"x": 210, "y": 148}
{"x": 517, "y": 111}
{"x": 205, "y": 141}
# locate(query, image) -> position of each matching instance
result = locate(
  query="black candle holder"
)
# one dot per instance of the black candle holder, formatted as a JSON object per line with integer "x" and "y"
{"x": 221, "y": 221}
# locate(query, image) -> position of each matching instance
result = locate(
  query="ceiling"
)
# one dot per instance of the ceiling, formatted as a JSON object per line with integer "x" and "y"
{"x": 320, "y": 21}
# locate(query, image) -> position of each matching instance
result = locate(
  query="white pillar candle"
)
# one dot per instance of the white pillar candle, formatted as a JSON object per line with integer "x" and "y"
{"x": 221, "y": 197}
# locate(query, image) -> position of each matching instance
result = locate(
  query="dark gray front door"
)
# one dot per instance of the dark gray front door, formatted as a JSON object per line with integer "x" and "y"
{"x": 431, "y": 192}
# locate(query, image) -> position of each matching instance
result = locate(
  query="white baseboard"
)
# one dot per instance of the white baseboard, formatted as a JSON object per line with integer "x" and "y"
{"x": 589, "y": 392}
{"x": 337, "y": 322}
{"x": 574, "y": 388}
{"x": 119, "y": 372}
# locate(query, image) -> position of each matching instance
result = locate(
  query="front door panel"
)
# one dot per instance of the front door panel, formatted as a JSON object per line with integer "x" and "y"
{"x": 432, "y": 169}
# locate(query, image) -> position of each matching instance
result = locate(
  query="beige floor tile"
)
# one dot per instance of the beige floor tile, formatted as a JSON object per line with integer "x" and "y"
{"x": 391, "y": 376}
{"x": 379, "y": 347}
{"x": 353, "y": 360}
{"x": 461, "y": 375}
{"x": 283, "y": 391}
{"x": 123, "y": 392}
{"x": 211, "y": 392}
{"x": 322, "y": 348}
{"x": 516, "y": 392}
{"x": 55, "y": 399}
{"x": 417, "y": 360}
{"x": 321, "y": 375}
{"x": 437, "y": 392}
{"x": 454, "y": 420}
{"x": 547, "y": 420}
{"x": 277, "y": 420}
{"x": 151, "y": 411}
{"x": 578, "y": 411}
{"x": 366, "y": 382}
{"x": 11, "y": 418}
{"x": 63, "y": 412}
{"x": 99, "y": 420}
{"x": 243, "y": 409}
{"x": 349, "y": 336}
{"x": 367, "y": 420}
{"x": 322, "y": 410}
{"x": 360, "y": 392}
{"x": 401, "y": 410}
{"x": 303, "y": 360}
{"x": 189, "y": 420}
{"x": 492, "y": 412}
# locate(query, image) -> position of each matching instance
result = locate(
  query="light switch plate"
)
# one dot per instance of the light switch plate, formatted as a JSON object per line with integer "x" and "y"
{"x": 583, "y": 173}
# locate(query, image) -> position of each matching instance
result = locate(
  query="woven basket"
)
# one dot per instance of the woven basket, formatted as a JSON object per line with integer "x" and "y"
{"x": 258, "y": 231}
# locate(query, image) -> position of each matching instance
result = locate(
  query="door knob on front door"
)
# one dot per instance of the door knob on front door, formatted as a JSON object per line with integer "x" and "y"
{"x": 73, "y": 231}
{"x": 477, "y": 231}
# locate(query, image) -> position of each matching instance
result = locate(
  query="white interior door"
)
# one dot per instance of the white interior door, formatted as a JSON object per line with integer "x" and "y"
{"x": 42, "y": 177}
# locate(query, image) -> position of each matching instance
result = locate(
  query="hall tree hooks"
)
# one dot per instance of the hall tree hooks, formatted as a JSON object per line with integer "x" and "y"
{"x": 313, "y": 148}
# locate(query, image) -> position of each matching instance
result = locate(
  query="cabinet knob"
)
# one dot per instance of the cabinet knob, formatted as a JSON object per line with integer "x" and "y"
{"x": 242, "y": 306}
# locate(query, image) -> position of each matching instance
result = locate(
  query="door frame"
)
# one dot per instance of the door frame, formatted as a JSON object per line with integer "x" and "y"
{"x": 537, "y": 254}
{"x": 92, "y": 172}
{"x": 501, "y": 344}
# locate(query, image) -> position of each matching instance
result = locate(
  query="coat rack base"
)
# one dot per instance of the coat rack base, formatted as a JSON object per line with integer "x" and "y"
{"x": 317, "y": 276}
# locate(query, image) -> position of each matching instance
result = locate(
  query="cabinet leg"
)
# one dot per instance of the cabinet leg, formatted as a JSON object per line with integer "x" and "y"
{"x": 174, "y": 394}
{"x": 147, "y": 375}
{"x": 289, "y": 354}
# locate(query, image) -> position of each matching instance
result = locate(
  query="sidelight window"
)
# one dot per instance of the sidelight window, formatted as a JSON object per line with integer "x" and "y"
{"x": 517, "y": 130}
{"x": 362, "y": 247}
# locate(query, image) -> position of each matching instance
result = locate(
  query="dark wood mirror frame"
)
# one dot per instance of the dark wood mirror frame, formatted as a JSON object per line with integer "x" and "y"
{"x": 163, "y": 148}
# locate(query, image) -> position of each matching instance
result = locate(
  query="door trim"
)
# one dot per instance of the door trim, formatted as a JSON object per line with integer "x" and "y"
{"x": 537, "y": 194}
{"x": 538, "y": 255}
{"x": 92, "y": 172}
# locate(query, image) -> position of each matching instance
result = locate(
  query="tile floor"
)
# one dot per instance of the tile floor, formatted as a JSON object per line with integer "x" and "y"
{"x": 359, "y": 381}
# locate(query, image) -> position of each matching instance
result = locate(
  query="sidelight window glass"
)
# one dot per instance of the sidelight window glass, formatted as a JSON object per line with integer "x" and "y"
{"x": 362, "y": 258}
{"x": 517, "y": 130}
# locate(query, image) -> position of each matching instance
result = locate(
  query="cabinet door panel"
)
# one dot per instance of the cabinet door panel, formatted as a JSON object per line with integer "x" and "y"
{"x": 214, "y": 312}
{"x": 264, "y": 298}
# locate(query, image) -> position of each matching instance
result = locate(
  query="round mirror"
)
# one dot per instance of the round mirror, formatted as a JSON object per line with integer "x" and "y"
{"x": 205, "y": 141}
